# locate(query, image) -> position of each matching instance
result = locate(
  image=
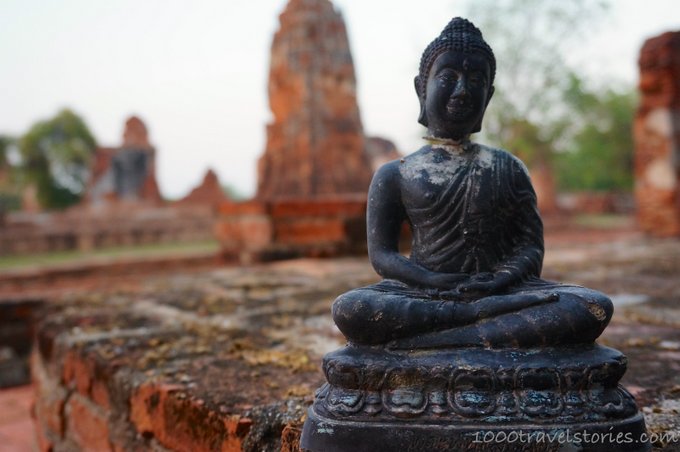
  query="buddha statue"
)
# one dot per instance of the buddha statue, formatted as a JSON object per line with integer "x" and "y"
{"x": 473, "y": 277}
{"x": 463, "y": 338}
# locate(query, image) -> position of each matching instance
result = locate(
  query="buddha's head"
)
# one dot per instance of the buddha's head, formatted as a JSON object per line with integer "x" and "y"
{"x": 455, "y": 81}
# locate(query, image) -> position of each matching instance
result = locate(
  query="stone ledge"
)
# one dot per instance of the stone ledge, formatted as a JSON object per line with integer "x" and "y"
{"x": 259, "y": 317}
{"x": 222, "y": 360}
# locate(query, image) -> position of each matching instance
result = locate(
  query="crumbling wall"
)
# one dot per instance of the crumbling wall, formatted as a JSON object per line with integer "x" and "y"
{"x": 288, "y": 228}
{"x": 315, "y": 145}
{"x": 657, "y": 137}
{"x": 222, "y": 360}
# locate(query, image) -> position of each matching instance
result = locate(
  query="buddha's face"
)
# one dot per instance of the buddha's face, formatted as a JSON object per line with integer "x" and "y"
{"x": 457, "y": 93}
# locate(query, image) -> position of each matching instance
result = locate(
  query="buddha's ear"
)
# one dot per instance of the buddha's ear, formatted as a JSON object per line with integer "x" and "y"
{"x": 492, "y": 90}
{"x": 422, "y": 117}
{"x": 478, "y": 126}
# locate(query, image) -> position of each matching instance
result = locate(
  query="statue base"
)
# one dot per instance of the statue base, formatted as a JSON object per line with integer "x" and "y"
{"x": 474, "y": 399}
{"x": 332, "y": 435}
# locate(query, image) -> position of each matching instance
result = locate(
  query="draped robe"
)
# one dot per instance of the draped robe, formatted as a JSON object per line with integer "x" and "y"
{"x": 484, "y": 220}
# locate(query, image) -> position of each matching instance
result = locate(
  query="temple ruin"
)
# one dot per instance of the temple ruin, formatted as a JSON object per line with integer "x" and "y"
{"x": 314, "y": 174}
{"x": 657, "y": 136}
{"x": 122, "y": 206}
{"x": 315, "y": 145}
{"x": 126, "y": 172}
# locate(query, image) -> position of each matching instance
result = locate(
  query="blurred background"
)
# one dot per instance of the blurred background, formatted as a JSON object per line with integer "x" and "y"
{"x": 155, "y": 155}
{"x": 197, "y": 75}
{"x": 196, "y": 81}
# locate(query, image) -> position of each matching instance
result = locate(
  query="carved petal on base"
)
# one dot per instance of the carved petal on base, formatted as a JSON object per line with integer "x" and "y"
{"x": 344, "y": 401}
{"x": 405, "y": 401}
{"x": 473, "y": 392}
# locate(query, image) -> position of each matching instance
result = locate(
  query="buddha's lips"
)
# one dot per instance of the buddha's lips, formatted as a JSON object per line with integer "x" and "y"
{"x": 458, "y": 111}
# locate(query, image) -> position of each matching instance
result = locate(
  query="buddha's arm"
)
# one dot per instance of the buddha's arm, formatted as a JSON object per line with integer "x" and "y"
{"x": 526, "y": 259}
{"x": 385, "y": 217}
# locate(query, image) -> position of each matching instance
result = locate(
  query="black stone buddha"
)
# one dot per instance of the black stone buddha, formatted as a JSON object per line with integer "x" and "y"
{"x": 463, "y": 335}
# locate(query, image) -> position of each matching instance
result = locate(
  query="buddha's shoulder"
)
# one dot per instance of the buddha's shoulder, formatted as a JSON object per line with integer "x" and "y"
{"x": 414, "y": 157}
{"x": 498, "y": 156}
{"x": 429, "y": 160}
{"x": 395, "y": 168}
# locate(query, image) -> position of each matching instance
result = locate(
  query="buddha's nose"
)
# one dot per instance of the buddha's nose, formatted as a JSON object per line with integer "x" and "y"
{"x": 461, "y": 90}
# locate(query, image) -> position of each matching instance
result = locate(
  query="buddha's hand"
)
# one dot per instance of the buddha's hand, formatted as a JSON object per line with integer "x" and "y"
{"x": 486, "y": 283}
{"x": 445, "y": 281}
{"x": 500, "y": 304}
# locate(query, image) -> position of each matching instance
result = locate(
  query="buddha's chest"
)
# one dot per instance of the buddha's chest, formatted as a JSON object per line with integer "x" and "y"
{"x": 466, "y": 187}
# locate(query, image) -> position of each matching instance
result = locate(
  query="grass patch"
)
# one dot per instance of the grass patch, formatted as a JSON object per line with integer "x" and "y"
{"x": 602, "y": 220}
{"x": 74, "y": 257}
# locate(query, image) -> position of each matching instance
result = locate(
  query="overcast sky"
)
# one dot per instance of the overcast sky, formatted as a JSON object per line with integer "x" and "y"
{"x": 196, "y": 72}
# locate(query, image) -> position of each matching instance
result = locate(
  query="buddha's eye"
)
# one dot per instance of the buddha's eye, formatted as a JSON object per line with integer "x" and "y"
{"x": 447, "y": 76}
{"x": 476, "y": 78}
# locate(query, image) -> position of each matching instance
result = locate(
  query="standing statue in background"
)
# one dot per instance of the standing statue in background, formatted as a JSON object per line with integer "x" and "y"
{"x": 463, "y": 337}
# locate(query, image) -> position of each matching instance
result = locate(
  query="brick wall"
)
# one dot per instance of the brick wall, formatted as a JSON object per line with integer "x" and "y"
{"x": 90, "y": 228}
{"x": 223, "y": 360}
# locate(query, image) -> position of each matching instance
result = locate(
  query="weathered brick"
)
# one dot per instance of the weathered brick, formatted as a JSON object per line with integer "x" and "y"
{"x": 77, "y": 372}
{"x": 183, "y": 423}
{"x": 252, "y": 207}
{"x": 50, "y": 398}
{"x": 43, "y": 440}
{"x": 87, "y": 424}
{"x": 310, "y": 230}
{"x": 84, "y": 373}
{"x": 245, "y": 232}
{"x": 338, "y": 206}
{"x": 295, "y": 227}
{"x": 99, "y": 393}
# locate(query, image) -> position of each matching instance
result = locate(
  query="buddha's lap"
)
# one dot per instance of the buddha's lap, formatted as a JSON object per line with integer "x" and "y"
{"x": 392, "y": 310}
